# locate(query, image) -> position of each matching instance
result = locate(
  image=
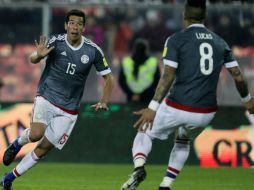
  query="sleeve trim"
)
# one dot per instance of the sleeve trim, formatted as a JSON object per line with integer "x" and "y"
{"x": 231, "y": 64}
{"x": 104, "y": 72}
{"x": 170, "y": 63}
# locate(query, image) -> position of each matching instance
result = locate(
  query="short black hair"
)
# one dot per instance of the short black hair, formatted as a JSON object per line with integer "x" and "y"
{"x": 141, "y": 46}
{"x": 75, "y": 12}
{"x": 195, "y": 10}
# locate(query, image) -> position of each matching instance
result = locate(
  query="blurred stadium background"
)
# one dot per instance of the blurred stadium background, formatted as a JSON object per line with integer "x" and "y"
{"x": 114, "y": 25}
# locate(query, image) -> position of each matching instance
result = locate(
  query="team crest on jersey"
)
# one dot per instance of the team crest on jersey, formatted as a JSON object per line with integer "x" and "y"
{"x": 84, "y": 59}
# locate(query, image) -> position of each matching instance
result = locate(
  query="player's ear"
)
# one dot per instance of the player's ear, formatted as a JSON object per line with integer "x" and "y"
{"x": 65, "y": 26}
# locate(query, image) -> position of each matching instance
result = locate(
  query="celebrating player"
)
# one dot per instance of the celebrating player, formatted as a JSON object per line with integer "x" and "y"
{"x": 70, "y": 57}
{"x": 193, "y": 59}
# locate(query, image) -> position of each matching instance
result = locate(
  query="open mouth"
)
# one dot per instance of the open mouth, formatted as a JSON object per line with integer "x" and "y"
{"x": 74, "y": 34}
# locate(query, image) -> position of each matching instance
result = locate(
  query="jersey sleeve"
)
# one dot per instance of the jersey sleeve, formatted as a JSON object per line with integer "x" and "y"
{"x": 100, "y": 63}
{"x": 52, "y": 43}
{"x": 170, "y": 54}
{"x": 229, "y": 59}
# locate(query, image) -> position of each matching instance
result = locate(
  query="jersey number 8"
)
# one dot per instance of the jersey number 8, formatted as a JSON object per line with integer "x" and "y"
{"x": 206, "y": 53}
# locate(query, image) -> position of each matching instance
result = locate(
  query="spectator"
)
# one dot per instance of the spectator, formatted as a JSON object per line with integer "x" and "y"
{"x": 225, "y": 27}
{"x": 154, "y": 31}
{"x": 94, "y": 31}
{"x": 139, "y": 73}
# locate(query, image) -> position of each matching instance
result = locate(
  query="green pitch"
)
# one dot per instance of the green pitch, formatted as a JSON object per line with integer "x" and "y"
{"x": 52, "y": 176}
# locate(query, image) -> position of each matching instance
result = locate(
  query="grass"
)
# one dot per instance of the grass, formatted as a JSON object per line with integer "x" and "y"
{"x": 53, "y": 176}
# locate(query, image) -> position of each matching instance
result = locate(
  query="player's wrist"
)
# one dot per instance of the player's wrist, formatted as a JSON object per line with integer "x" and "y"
{"x": 102, "y": 102}
{"x": 246, "y": 98}
{"x": 35, "y": 55}
{"x": 154, "y": 105}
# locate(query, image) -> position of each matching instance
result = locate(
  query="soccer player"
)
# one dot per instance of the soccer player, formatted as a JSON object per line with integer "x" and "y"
{"x": 70, "y": 57}
{"x": 193, "y": 59}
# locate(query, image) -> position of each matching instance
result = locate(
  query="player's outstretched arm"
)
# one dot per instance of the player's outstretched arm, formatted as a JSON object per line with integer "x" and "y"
{"x": 42, "y": 50}
{"x": 147, "y": 115}
{"x": 166, "y": 80}
{"x": 242, "y": 88}
{"x": 108, "y": 87}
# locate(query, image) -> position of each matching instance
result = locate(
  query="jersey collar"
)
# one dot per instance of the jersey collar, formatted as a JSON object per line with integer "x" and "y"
{"x": 75, "y": 48}
{"x": 196, "y": 25}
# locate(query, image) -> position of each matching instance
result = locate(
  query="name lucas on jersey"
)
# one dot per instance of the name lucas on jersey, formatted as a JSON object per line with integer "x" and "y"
{"x": 204, "y": 36}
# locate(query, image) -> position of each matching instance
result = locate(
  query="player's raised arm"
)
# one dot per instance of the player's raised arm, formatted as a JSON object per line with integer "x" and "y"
{"x": 242, "y": 87}
{"x": 42, "y": 50}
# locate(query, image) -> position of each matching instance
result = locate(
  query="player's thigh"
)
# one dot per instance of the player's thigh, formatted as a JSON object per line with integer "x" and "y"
{"x": 43, "y": 112}
{"x": 194, "y": 124}
{"x": 186, "y": 133}
{"x": 60, "y": 128}
{"x": 165, "y": 122}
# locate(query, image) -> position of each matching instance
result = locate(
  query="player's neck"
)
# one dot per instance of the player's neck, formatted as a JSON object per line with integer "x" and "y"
{"x": 187, "y": 23}
{"x": 74, "y": 43}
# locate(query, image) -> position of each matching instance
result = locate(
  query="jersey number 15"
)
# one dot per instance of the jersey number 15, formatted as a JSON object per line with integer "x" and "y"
{"x": 71, "y": 69}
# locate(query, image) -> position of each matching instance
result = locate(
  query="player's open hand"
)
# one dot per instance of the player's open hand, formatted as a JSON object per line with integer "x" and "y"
{"x": 146, "y": 119}
{"x": 100, "y": 106}
{"x": 250, "y": 106}
{"x": 42, "y": 47}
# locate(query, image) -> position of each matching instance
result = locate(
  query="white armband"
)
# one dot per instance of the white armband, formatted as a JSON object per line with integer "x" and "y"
{"x": 154, "y": 105}
{"x": 246, "y": 98}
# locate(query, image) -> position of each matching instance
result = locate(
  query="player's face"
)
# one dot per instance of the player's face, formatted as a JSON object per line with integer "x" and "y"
{"x": 74, "y": 28}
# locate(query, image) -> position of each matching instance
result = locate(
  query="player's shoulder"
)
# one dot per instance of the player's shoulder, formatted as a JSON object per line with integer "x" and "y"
{"x": 56, "y": 38}
{"x": 176, "y": 35}
{"x": 215, "y": 36}
{"x": 91, "y": 44}
{"x": 219, "y": 40}
{"x": 175, "y": 38}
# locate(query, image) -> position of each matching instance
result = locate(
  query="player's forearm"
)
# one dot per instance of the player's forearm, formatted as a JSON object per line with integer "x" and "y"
{"x": 164, "y": 84}
{"x": 242, "y": 87}
{"x": 108, "y": 87}
{"x": 240, "y": 81}
{"x": 35, "y": 58}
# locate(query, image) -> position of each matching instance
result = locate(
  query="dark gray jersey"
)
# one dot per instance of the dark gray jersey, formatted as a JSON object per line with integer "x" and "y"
{"x": 198, "y": 54}
{"x": 63, "y": 79}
